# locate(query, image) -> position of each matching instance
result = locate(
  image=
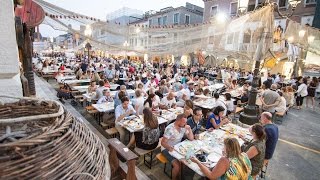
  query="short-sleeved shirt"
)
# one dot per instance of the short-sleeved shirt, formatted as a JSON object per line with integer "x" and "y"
{"x": 167, "y": 102}
{"x": 272, "y": 133}
{"x": 119, "y": 110}
{"x": 270, "y": 97}
{"x": 195, "y": 127}
{"x": 173, "y": 135}
{"x": 209, "y": 124}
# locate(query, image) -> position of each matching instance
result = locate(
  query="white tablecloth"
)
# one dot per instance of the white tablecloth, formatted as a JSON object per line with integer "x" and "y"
{"x": 104, "y": 107}
{"x": 47, "y": 71}
{"x": 210, "y": 142}
{"x": 214, "y": 87}
{"x": 77, "y": 81}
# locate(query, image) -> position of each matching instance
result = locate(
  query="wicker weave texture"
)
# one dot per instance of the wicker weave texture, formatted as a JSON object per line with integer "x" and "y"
{"x": 59, "y": 147}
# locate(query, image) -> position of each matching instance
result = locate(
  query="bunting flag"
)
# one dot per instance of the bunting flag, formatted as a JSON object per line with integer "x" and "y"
{"x": 200, "y": 58}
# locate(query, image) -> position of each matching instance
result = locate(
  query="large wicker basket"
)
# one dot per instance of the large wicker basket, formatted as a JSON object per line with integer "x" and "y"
{"x": 40, "y": 140}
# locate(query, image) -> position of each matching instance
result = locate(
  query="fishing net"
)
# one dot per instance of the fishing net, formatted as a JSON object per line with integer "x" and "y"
{"x": 305, "y": 37}
{"x": 248, "y": 36}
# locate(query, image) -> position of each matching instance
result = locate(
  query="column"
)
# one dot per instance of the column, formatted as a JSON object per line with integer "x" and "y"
{"x": 10, "y": 83}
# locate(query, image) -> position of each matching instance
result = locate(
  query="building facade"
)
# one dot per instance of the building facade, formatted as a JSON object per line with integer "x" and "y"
{"x": 121, "y": 16}
{"x": 189, "y": 14}
{"x": 303, "y": 14}
{"x": 183, "y": 15}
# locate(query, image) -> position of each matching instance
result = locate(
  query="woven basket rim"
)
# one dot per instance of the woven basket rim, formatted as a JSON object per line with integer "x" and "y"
{"x": 32, "y": 117}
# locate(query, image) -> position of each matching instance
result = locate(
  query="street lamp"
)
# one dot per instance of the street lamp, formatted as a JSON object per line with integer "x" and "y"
{"x": 87, "y": 33}
{"x": 250, "y": 114}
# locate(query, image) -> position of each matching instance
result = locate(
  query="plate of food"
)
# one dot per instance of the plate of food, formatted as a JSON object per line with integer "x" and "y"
{"x": 138, "y": 126}
{"x": 187, "y": 146}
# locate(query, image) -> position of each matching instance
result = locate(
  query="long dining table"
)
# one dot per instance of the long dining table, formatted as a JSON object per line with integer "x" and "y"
{"x": 210, "y": 144}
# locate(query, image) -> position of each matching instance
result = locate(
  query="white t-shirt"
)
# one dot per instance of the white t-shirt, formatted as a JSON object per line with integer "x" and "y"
{"x": 167, "y": 102}
{"x": 282, "y": 106}
{"x": 139, "y": 102}
{"x": 156, "y": 102}
{"x": 221, "y": 103}
{"x": 230, "y": 105}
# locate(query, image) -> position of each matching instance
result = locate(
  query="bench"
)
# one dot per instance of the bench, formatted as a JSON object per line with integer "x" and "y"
{"x": 112, "y": 132}
{"x": 238, "y": 110}
{"x": 79, "y": 98}
{"x": 281, "y": 115}
{"x": 107, "y": 125}
{"x": 91, "y": 110}
{"x": 47, "y": 76}
{"x": 164, "y": 161}
{"x": 149, "y": 153}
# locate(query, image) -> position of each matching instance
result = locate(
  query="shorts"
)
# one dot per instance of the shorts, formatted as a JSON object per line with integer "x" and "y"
{"x": 168, "y": 155}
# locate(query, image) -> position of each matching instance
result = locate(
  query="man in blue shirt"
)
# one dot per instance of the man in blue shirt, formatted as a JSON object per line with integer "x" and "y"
{"x": 123, "y": 110}
{"x": 195, "y": 122}
{"x": 272, "y": 134}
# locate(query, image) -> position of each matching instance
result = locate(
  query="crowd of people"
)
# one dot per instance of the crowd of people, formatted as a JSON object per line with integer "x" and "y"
{"x": 161, "y": 86}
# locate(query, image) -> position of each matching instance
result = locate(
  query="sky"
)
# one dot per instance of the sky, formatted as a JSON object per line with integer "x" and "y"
{"x": 100, "y": 8}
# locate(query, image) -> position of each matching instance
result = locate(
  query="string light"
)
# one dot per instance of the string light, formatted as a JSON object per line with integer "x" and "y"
{"x": 302, "y": 33}
{"x": 290, "y": 39}
{"x": 310, "y": 39}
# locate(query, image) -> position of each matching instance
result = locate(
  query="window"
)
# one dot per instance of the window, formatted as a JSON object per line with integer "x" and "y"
{"x": 159, "y": 21}
{"x": 310, "y": 2}
{"x": 187, "y": 20}
{"x": 150, "y": 22}
{"x": 233, "y": 8}
{"x": 282, "y": 3}
{"x": 176, "y": 18}
{"x": 251, "y": 7}
{"x": 164, "y": 20}
{"x": 214, "y": 11}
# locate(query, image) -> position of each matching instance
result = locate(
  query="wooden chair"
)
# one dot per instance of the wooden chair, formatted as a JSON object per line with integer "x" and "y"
{"x": 147, "y": 153}
{"x": 164, "y": 161}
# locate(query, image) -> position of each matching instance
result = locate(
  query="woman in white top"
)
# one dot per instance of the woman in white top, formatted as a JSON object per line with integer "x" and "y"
{"x": 301, "y": 92}
{"x": 282, "y": 106}
{"x": 229, "y": 103}
{"x": 139, "y": 101}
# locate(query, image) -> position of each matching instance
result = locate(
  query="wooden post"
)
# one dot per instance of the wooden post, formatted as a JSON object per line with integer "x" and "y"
{"x": 117, "y": 148}
{"x": 28, "y": 60}
{"x": 113, "y": 160}
{"x": 131, "y": 174}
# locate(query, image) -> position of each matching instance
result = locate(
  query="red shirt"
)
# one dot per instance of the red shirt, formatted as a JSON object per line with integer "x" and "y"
{"x": 131, "y": 69}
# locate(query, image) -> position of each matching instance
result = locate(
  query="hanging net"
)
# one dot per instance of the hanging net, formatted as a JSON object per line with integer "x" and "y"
{"x": 248, "y": 36}
{"x": 305, "y": 37}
